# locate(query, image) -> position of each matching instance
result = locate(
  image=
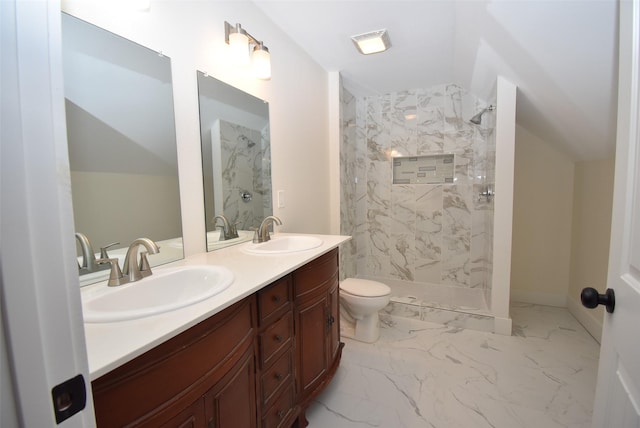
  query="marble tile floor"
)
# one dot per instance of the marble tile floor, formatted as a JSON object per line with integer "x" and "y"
{"x": 422, "y": 374}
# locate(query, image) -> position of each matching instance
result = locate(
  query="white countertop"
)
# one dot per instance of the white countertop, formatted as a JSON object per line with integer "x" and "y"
{"x": 109, "y": 345}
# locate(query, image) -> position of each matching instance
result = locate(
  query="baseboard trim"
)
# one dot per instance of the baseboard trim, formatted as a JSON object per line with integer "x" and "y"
{"x": 502, "y": 326}
{"x": 537, "y": 298}
{"x": 585, "y": 317}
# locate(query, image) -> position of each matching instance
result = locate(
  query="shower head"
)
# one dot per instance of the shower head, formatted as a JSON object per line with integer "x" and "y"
{"x": 477, "y": 119}
{"x": 245, "y": 139}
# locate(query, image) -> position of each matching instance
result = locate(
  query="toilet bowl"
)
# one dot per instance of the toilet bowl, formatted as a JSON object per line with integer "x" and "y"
{"x": 360, "y": 301}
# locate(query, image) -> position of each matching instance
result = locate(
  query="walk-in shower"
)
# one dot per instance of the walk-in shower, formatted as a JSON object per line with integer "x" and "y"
{"x": 426, "y": 234}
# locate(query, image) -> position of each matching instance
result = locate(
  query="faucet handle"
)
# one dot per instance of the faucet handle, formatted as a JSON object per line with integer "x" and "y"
{"x": 103, "y": 250}
{"x": 115, "y": 276}
{"x": 145, "y": 268}
{"x": 256, "y": 237}
{"x": 233, "y": 233}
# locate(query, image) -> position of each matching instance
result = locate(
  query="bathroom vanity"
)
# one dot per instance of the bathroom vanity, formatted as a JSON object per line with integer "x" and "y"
{"x": 257, "y": 359}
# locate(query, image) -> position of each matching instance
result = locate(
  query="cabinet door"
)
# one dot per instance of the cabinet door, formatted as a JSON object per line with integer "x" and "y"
{"x": 311, "y": 332}
{"x": 233, "y": 405}
{"x": 333, "y": 337}
{"x": 191, "y": 417}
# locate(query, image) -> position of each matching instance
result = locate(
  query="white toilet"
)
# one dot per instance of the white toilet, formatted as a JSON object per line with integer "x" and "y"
{"x": 360, "y": 301}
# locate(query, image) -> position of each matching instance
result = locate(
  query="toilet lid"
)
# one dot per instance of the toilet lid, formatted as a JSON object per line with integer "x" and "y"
{"x": 364, "y": 287}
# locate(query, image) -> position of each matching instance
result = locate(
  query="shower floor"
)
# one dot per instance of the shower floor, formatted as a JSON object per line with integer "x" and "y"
{"x": 449, "y": 305}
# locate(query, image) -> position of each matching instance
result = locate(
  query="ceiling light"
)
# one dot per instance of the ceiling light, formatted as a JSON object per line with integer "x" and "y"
{"x": 240, "y": 41}
{"x": 372, "y": 42}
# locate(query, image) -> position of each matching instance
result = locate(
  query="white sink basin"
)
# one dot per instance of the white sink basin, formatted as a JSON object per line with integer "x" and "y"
{"x": 284, "y": 244}
{"x": 166, "y": 290}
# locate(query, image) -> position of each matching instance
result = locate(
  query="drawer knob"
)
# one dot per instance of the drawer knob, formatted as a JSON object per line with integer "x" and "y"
{"x": 278, "y": 338}
{"x": 276, "y": 298}
{"x": 278, "y": 376}
{"x": 280, "y": 413}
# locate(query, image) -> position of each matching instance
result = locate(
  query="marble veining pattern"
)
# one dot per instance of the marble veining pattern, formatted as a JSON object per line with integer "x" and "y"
{"x": 349, "y": 187}
{"x": 430, "y": 375}
{"x": 456, "y": 235}
{"x": 438, "y": 234}
{"x": 245, "y": 155}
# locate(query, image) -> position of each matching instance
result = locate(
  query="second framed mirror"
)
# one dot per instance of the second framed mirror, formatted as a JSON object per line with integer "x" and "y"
{"x": 236, "y": 161}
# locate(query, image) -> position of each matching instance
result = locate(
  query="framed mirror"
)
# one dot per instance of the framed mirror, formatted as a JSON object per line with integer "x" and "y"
{"x": 236, "y": 160}
{"x": 122, "y": 145}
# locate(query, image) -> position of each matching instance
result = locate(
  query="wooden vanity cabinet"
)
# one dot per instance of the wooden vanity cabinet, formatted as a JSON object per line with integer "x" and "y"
{"x": 317, "y": 320}
{"x": 257, "y": 364}
{"x": 200, "y": 376}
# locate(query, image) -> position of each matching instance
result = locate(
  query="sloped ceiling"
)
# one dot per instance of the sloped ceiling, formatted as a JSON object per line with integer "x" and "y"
{"x": 561, "y": 54}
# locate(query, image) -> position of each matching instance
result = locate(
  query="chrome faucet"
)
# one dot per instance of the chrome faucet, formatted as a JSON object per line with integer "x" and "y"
{"x": 229, "y": 230}
{"x": 131, "y": 268}
{"x": 88, "y": 257}
{"x": 262, "y": 234}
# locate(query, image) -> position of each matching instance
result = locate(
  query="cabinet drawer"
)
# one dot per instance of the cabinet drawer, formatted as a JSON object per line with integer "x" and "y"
{"x": 316, "y": 274}
{"x": 280, "y": 373}
{"x": 277, "y": 415}
{"x": 275, "y": 338}
{"x": 274, "y": 298}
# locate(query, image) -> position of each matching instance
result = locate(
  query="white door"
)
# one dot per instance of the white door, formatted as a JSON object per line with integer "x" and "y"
{"x": 617, "y": 403}
{"x": 45, "y": 352}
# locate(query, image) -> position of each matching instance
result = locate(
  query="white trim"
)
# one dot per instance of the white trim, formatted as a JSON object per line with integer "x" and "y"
{"x": 538, "y": 298}
{"x": 585, "y": 317}
{"x": 503, "y": 201}
{"x": 502, "y": 326}
{"x": 39, "y": 284}
{"x": 334, "y": 151}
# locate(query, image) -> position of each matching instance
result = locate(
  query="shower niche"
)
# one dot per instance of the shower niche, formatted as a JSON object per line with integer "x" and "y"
{"x": 429, "y": 169}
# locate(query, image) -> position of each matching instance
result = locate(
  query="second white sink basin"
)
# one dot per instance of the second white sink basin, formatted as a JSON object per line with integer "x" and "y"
{"x": 284, "y": 244}
{"x": 166, "y": 290}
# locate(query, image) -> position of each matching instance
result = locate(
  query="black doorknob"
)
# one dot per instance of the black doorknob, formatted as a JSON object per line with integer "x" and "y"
{"x": 590, "y": 298}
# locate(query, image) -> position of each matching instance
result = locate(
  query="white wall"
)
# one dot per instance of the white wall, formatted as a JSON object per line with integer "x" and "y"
{"x": 591, "y": 232}
{"x": 151, "y": 200}
{"x": 561, "y": 228}
{"x": 542, "y": 221}
{"x": 192, "y": 35}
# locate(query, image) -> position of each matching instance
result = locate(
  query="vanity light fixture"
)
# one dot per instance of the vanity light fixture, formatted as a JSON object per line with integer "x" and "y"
{"x": 242, "y": 51}
{"x": 261, "y": 62}
{"x": 372, "y": 42}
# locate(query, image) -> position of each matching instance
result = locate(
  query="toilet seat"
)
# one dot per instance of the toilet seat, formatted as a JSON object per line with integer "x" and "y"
{"x": 364, "y": 287}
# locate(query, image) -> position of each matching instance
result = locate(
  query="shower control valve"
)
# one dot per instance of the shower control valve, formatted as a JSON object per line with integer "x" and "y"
{"x": 487, "y": 193}
{"x": 246, "y": 196}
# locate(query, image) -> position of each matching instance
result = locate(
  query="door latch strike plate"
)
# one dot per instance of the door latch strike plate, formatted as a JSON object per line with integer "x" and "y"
{"x": 69, "y": 398}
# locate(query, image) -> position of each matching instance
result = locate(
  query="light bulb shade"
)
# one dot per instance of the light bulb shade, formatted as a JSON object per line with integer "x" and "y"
{"x": 239, "y": 44}
{"x": 261, "y": 62}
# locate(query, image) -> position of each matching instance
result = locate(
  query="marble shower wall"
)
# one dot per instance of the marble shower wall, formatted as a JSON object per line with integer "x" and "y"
{"x": 245, "y": 155}
{"x": 424, "y": 233}
{"x": 348, "y": 186}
